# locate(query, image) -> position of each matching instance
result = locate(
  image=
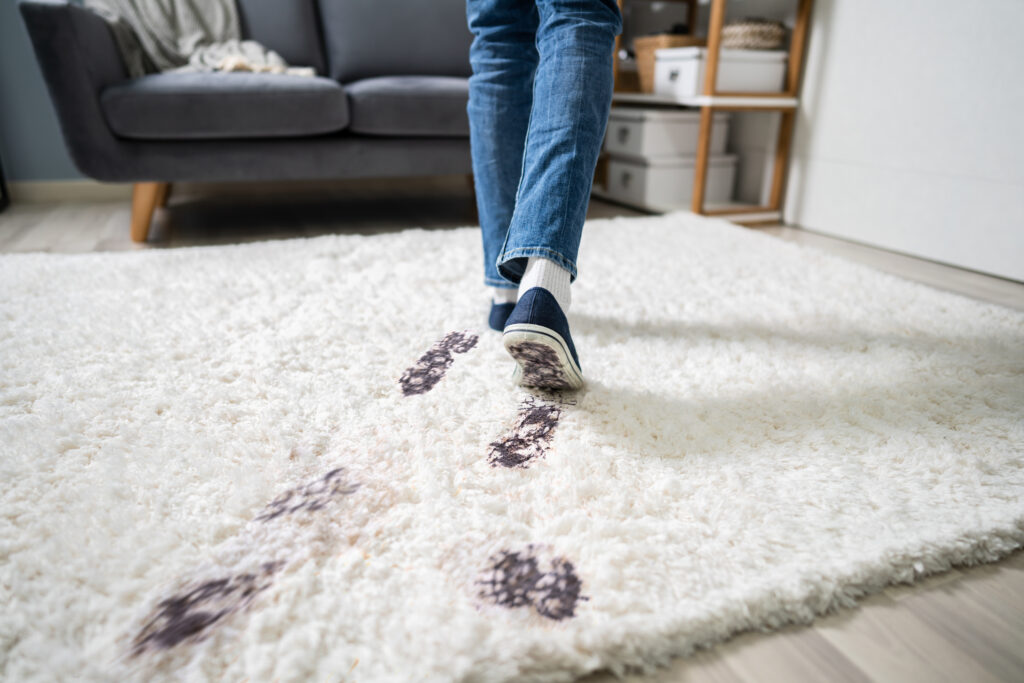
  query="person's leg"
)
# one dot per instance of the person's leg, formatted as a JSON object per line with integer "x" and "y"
{"x": 503, "y": 56}
{"x": 572, "y": 95}
{"x": 571, "y": 100}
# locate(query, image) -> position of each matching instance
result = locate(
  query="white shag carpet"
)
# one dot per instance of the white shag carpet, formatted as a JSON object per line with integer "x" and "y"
{"x": 303, "y": 460}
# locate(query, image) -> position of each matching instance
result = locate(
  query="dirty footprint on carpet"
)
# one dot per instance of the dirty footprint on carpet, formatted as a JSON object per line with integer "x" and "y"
{"x": 310, "y": 497}
{"x": 531, "y": 433}
{"x": 432, "y": 365}
{"x": 188, "y": 616}
{"x": 522, "y": 578}
{"x": 190, "y": 613}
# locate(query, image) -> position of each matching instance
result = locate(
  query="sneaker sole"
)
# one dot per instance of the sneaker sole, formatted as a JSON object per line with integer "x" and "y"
{"x": 542, "y": 357}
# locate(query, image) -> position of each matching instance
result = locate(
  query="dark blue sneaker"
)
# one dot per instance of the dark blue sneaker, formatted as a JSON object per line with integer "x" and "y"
{"x": 499, "y": 314}
{"x": 537, "y": 336}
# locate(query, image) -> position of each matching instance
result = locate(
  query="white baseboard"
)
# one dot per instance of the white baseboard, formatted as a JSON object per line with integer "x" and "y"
{"x": 68, "y": 191}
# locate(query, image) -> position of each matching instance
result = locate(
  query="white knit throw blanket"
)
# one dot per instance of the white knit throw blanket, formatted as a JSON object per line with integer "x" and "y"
{"x": 186, "y": 35}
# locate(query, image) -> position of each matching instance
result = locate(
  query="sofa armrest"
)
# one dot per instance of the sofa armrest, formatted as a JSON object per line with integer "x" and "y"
{"x": 79, "y": 57}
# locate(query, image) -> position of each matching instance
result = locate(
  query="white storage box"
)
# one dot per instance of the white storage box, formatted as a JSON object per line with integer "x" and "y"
{"x": 646, "y": 132}
{"x": 668, "y": 183}
{"x": 679, "y": 71}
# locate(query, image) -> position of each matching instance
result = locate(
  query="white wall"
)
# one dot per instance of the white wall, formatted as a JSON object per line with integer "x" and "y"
{"x": 910, "y": 134}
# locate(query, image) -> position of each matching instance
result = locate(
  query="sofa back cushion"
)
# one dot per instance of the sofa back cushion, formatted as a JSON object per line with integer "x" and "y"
{"x": 367, "y": 38}
{"x": 288, "y": 27}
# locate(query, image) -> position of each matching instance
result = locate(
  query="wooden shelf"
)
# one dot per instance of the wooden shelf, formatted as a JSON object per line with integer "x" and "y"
{"x": 718, "y": 101}
{"x": 711, "y": 100}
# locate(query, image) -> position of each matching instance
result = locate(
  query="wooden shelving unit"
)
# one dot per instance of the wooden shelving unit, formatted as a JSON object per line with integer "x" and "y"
{"x": 712, "y": 100}
{"x": 691, "y": 21}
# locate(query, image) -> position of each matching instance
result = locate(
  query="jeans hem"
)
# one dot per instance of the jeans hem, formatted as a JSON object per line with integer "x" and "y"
{"x": 500, "y": 283}
{"x": 525, "y": 252}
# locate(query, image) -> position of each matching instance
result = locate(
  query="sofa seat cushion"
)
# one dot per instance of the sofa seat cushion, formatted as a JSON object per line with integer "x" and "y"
{"x": 189, "y": 105}
{"x": 409, "y": 105}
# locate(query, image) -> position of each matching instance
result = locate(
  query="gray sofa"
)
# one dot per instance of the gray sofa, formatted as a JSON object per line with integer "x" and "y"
{"x": 389, "y": 98}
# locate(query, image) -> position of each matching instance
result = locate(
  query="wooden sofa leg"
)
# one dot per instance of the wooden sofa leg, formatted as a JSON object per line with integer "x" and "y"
{"x": 145, "y": 198}
{"x": 164, "y": 195}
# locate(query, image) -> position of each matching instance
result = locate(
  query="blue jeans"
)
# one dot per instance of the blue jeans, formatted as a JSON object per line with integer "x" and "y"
{"x": 538, "y": 107}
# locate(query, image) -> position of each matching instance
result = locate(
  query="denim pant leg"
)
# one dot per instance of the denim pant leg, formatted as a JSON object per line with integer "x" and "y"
{"x": 572, "y": 95}
{"x": 503, "y": 56}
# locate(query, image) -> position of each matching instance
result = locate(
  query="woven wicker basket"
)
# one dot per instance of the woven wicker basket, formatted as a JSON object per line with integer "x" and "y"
{"x": 753, "y": 34}
{"x": 644, "y": 47}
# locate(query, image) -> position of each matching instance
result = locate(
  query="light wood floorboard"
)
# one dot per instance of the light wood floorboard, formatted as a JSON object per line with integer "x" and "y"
{"x": 969, "y": 283}
{"x": 963, "y": 625}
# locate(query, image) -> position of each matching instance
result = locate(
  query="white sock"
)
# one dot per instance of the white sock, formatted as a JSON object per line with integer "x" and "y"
{"x": 504, "y": 295}
{"x": 542, "y": 272}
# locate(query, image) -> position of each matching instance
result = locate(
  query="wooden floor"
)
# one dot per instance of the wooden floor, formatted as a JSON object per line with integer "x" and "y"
{"x": 966, "y": 625}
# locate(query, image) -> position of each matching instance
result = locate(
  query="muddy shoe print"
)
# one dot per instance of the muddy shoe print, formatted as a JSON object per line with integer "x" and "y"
{"x": 537, "y": 336}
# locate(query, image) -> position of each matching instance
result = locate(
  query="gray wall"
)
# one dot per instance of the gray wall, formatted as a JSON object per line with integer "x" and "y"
{"x": 30, "y": 140}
